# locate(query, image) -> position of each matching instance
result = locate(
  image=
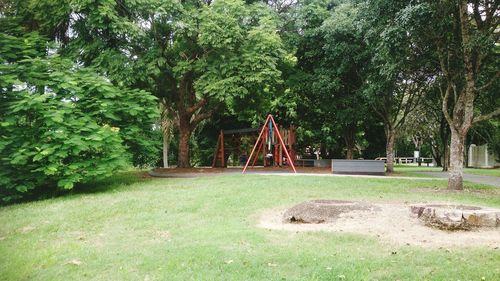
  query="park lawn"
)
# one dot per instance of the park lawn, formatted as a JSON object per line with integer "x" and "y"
{"x": 413, "y": 171}
{"x": 135, "y": 228}
{"x": 485, "y": 172}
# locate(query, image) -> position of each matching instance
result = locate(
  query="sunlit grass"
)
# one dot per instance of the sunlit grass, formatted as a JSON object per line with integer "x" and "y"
{"x": 135, "y": 228}
{"x": 414, "y": 171}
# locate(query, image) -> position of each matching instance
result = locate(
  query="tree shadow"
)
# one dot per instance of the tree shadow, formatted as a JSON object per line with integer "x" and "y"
{"x": 118, "y": 181}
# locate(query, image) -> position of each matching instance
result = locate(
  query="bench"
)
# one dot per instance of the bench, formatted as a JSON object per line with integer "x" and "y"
{"x": 358, "y": 167}
{"x": 304, "y": 162}
{"x": 321, "y": 163}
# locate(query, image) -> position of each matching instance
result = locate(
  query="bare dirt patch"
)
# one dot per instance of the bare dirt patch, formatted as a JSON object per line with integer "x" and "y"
{"x": 392, "y": 222}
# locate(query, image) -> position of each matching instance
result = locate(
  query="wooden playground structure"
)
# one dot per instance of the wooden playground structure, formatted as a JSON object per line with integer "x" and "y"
{"x": 275, "y": 145}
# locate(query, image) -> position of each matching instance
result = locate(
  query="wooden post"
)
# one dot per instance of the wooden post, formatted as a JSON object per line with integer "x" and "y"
{"x": 265, "y": 139}
{"x": 281, "y": 141}
{"x": 280, "y": 151}
{"x": 258, "y": 151}
{"x": 251, "y": 154}
{"x": 278, "y": 135}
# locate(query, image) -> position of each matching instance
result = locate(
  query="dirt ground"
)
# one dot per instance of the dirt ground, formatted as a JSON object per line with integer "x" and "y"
{"x": 393, "y": 223}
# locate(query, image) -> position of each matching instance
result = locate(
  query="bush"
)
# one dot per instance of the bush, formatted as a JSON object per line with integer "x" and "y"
{"x": 62, "y": 124}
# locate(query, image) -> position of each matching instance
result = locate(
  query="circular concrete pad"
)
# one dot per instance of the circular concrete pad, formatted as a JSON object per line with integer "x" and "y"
{"x": 321, "y": 211}
{"x": 456, "y": 217}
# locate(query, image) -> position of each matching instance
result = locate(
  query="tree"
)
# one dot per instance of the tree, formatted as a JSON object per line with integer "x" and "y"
{"x": 427, "y": 124}
{"x": 467, "y": 45}
{"x": 328, "y": 79}
{"x": 398, "y": 76}
{"x": 347, "y": 52}
{"x": 463, "y": 43}
{"x": 195, "y": 56}
{"x": 61, "y": 124}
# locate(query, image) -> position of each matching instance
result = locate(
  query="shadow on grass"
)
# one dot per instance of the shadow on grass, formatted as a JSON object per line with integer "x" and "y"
{"x": 120, "y": 180}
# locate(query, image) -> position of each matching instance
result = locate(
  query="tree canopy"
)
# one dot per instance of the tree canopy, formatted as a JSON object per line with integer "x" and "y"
{"x": 89, "y": 87}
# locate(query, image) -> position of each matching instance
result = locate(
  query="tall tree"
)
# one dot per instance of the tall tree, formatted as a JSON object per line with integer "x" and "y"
{"x": 195, "y": 56}
{"x": 468, "y": 56}
{"x": 347, "y": 52}
{"x": 463, "y": 43}
{"x": 330, "y": 55}
{"x": 397, "y": 76}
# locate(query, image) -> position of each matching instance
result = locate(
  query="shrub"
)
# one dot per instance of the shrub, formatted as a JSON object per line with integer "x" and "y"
{"x": 62, "y": 124}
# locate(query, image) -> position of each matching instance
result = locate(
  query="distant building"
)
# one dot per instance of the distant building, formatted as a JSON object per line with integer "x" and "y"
{"x": 480, "y": 157}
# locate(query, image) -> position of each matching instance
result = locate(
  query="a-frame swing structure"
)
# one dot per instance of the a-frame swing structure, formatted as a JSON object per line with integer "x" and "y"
{"x": 268, "y": 134}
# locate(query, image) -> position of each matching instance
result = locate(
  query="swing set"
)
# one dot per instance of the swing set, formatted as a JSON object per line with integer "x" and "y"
{"x": 275, "y": 144}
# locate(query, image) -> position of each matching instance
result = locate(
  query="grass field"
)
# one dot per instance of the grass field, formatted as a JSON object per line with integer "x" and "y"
{"x": 134, "y": 228}
{"x": 412, "y": 171}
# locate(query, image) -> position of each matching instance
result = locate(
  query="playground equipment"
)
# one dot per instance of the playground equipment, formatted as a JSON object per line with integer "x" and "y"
{"x": 229, "y": 142}
{"x": 273, "y": 150}
{"x": 232, "y": 142}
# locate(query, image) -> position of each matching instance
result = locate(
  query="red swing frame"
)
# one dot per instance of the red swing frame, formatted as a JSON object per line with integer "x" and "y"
{"x": 261, "y": 140}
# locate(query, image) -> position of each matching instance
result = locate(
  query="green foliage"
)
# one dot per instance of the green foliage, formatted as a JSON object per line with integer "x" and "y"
{"x": 62, "y": 124}
{"x": 331, "y": 57}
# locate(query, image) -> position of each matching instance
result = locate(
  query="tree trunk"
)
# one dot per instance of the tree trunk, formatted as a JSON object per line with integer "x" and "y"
{"x": 183, "y": 160}
{"x": 444, "y": 134}
{"x": 455, "y": 181}
{"x": 389, "y": 149}
{"x": 463, "y": 111}
{"x": 436, "y": 153}
{"x": 349, "y": 139}
{"x": 446, "y": 157}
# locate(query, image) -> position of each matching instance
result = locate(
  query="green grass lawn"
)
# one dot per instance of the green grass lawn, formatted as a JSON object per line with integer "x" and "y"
{"x": 413, "y": 171}
{"x": 134, "y": 228}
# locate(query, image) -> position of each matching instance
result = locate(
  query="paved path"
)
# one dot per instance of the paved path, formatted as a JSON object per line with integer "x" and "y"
{"x": 489, "y": 180}
{"x": 279, "y": 173}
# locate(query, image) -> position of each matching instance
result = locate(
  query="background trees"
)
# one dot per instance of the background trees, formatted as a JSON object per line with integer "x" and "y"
{"x": 346, "y": 72}
{"x": 196, "y": 57}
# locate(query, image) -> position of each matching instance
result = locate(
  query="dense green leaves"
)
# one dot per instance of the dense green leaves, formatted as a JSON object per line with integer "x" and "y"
{"x": 62, "y": 124}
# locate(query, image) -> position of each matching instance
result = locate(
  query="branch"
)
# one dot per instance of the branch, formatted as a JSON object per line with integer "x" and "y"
{"x": 489, "y": 83}
{"x": 200, "y": 117}
{"x": 379, "y": 113}
{"x": 477, "y": 15}
{"x": 197, "y": 106}
{"x": 486, "y": 116}
{"x": 444, "y": 108}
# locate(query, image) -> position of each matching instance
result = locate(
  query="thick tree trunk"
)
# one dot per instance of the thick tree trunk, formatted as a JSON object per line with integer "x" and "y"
{"x": 455, "y": 181}
{"x": 350, "y": 152}
{"x": 184, "y": 157}
{"x": 389, "y": 149}
{"x": 183, "y": 160}
{"x": 463, "y": 111}
{"x": 463, "y": 108}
